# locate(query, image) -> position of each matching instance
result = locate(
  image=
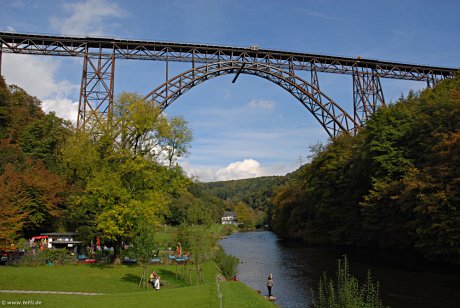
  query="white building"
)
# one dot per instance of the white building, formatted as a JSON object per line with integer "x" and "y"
{"x": 229, "y": 218}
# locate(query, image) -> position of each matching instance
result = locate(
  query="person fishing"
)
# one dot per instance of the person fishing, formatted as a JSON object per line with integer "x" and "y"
{"x": 270, "y": 284}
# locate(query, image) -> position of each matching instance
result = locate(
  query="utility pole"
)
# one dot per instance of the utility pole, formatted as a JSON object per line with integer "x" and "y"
{"x": 1, "y": 45}
{"x": 300, "y": 160}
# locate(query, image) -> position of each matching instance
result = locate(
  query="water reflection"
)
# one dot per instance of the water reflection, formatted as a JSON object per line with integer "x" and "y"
{"x": 297, "y": 267}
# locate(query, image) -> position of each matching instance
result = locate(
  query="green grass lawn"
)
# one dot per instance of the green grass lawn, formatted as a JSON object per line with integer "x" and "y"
{"x": 120, "y": 287}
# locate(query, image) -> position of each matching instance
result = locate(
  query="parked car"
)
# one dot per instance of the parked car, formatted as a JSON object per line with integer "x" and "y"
{"x": 127, "y": 260}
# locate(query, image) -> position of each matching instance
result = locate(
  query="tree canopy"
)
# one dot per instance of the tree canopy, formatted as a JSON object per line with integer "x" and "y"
{"x": 393, "y": 185}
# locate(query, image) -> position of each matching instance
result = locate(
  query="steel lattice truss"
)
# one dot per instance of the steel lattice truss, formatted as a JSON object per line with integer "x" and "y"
{"x": 277, "y": 66}
{"x": 367, "y": 95}
{"x": 331, "y": 116}
{"x": 96, "y": 91}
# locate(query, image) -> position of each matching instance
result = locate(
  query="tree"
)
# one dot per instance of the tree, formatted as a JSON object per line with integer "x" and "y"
{"x": 122, "y": 178}
{"x": 139, "y": 125}
{"x": 245, "y": 215}
{"x": 12, "y": 209}
{"x": 43, "y": 138}
{"x": 177, "y": 139}
{"x": 31, "y": 192}
{"x": 37, "y": 197}
{"x": 199, "y": 240}
{"x": 143, "y": 249}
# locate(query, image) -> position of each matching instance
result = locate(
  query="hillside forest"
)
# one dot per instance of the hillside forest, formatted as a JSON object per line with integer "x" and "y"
{"x": 394, "y": 185}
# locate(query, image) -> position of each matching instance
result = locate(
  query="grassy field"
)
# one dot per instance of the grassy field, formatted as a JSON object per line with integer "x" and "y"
{"x": 120, "y": 287}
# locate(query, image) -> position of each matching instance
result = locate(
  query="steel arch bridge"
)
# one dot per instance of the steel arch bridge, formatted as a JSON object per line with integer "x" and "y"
{"x": 209, "y": 61}
{"x": 330, "y": 115}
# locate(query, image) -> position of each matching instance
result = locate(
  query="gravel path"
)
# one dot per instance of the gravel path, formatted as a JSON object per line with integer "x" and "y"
{"x": 48, "y": 292}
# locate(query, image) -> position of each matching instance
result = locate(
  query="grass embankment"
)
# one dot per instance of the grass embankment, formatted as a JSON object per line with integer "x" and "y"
{"x": 120, "y": 287}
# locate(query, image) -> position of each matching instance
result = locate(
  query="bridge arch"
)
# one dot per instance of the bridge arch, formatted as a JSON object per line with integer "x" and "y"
{"x": 329, "y": 114}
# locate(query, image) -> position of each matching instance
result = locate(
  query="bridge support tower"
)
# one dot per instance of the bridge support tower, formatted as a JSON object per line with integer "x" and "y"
{"x": 367, "y": 94}
{"x": 96, "y": 91}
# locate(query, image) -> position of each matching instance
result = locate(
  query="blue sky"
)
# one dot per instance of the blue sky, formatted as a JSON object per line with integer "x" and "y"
{"x": 250, "y": 128}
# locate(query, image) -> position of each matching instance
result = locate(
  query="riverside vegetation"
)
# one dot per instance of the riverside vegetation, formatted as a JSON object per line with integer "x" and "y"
{"x": 345, "y": 291}
{"x": 395, "y": 185}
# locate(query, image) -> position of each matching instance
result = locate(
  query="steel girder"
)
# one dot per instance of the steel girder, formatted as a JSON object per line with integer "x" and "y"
{"x": 27, "y": 43}
{"x": 367, "y": 94}
{"x": 331, "y": 116}
{"x": 97, "y": 87}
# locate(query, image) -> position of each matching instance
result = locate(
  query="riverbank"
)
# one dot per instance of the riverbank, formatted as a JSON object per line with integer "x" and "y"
{"x": 118, "y": 287}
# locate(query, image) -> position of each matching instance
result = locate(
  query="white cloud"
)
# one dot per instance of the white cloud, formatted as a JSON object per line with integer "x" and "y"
{"x": 36, "y": 75}
{"x": 319, "y": 15}
{"x": 247, "y": 168}
{"x": 64, "y": 108}
{"x": 10, "y": 29}
{"x": 88, "y": 18}
{"x": 262, "y": 104}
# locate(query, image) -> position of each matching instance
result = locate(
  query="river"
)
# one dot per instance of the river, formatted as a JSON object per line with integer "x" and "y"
{"x": 296, "y": 269}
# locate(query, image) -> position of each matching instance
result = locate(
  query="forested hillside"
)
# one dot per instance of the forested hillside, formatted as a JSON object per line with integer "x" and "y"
{"x": 32, "y": 192}
{"x": 250, "y": 198}
{"x": 394, "y": 185}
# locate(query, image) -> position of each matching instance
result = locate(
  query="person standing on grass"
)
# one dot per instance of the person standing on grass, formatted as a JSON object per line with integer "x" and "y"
{"x": 157, "y": 283}
{"x": 270, "y": 284}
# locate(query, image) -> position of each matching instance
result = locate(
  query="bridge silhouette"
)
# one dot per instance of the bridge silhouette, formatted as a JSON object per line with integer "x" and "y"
{"x": 208, "y": 61}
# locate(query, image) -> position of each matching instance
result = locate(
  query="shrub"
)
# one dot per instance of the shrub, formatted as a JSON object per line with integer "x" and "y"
{"x": 56, "y": 256}
{"x": 347, "y": 293}
{"x": 226, "y": 263}
{"x": 29, "y": 259}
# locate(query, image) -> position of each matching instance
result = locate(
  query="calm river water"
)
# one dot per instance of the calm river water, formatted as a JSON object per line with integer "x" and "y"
{"x": 297, "y": 267}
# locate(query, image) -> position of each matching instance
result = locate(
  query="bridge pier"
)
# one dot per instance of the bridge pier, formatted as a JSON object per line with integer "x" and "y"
{"x": 1, "y": 53}
{"x": 97, "y": 87}
{"x": 367, "y": 94}
{"x": 431, "y": 80}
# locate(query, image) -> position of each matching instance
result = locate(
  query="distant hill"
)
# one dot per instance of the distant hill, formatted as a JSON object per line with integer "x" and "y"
{"x": 255, "y": 192}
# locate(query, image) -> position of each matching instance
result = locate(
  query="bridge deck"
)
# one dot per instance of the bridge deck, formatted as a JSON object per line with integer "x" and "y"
{"x": 11, "y": 42}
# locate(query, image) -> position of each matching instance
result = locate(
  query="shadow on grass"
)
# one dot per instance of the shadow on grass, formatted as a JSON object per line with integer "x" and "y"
{"x": 131, "y": 278}
{"x": 101, "y": 265}
{"x": 168, "y": 276}
{"x": 110, "y": 265}
{"x": 166, "y": 273}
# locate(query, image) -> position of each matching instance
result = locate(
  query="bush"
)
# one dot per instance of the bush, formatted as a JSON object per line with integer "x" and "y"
{"x": 56, "y": 256}
{"x": 41, "y": 257}
{"x": 29, "y": 259}
{"x": 347, "y": 293}
{"x": 226, "y": 263}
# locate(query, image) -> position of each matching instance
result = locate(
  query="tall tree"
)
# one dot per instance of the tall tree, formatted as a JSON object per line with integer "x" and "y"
{"x": 122, "y": 178}
{"x": 177, "y": 139}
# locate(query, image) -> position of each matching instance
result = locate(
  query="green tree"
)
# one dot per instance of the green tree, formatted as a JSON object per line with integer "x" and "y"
{"x": 143, "y": 249}
{"x": 245, "y": 215}
{"x": 123, "y": 180}
{"x": 43, "y": 139}
{"x": 177, "y": 139}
